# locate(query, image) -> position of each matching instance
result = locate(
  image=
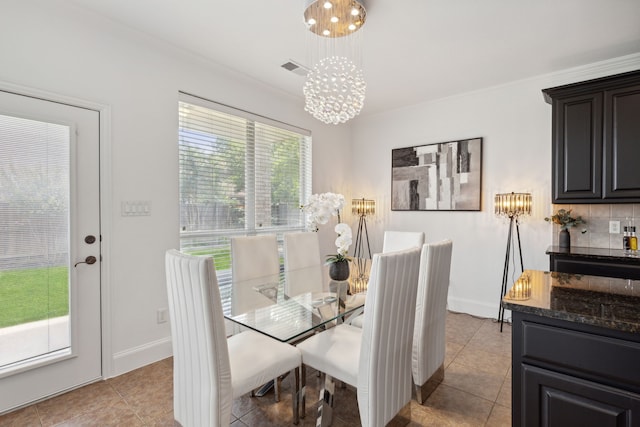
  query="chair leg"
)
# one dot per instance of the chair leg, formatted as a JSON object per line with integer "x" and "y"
{"x": 295, "y": 395}
{"x": 276, "y": 388}
{"x": 303, "y": 390}
{"x": 424, "y": 391}
{"x": 325, "y": 405}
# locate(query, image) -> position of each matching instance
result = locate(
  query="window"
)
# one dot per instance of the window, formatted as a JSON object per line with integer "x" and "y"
{"x": 240, "y": 174}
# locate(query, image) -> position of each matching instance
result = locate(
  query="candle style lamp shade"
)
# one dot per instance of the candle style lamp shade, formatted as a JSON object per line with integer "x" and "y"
{"x": 512, "y": 206}
{"x": 363, "y": 207}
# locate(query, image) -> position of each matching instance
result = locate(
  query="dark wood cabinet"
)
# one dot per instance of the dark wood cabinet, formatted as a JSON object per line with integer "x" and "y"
{"x": 628, "y": 268}
{"x": 563, "y": 400}
{"x": 622, "y": 143}
{"x": 577, "y": 147}
{"x": 596, "y": 140}
{"x": 572, "y": 374}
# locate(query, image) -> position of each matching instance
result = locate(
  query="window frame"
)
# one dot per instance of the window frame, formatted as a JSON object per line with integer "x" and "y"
{"x": 250, "y": 206}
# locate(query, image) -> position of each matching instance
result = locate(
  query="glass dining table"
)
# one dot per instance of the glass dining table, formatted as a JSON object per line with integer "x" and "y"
{"x": 290, "y": 305}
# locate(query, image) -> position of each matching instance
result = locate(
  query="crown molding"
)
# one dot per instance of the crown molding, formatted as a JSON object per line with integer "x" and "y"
{"x": 597, "y": 69}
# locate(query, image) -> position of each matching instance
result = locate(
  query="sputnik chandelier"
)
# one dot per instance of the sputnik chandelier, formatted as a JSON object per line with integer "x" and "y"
{"x": 335, "y": 87}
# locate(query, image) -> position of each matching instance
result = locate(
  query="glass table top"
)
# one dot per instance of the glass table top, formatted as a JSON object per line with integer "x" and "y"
{"x": 292, "y": 304}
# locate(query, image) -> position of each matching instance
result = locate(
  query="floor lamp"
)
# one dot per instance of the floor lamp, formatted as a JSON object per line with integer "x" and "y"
{"x": 512, "y": 206}
{"x": 362, "y": 208}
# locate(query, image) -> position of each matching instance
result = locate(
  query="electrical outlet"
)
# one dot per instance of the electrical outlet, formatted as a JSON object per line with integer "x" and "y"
{"x": 614, "y": 227}
{"x": 162, "y": 315}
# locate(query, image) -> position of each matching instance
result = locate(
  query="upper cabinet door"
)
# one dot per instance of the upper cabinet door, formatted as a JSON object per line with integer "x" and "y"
{"x": 577, "y": 148}
{"x": 596, "y": 140}
{"x": 622, "y": 143}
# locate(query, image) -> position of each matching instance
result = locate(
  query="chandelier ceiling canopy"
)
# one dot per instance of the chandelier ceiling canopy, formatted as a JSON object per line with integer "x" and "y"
{"x": 334, "y": 18}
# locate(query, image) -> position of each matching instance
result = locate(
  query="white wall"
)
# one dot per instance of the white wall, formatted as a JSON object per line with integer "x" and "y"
{"x": 515, "y": 124}
{"x": 53, "y": 47}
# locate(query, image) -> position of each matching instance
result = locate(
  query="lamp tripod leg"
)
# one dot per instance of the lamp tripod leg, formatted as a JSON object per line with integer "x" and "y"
{"x": 505, "y": 274}
{"x": 519, "y": 245}
{"x": 358, "y": 251}
{"x": 366, "y": 232}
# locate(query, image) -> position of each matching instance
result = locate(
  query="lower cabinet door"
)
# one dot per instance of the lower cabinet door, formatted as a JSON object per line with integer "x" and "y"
{"x": 554, "y": 399}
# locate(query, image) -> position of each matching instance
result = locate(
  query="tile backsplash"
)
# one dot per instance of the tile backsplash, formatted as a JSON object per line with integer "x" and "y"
{"x": 595, "y": 232}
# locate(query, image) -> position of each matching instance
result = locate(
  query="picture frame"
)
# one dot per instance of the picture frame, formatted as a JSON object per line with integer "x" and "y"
{"x": 444, "y": 176}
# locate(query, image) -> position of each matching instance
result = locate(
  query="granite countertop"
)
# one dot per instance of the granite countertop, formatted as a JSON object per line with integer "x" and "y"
{"x": 599, "y": 301}
{"x": 595, "y": 253}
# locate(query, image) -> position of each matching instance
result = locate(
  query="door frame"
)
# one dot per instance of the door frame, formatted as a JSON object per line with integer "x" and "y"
{"x": 106, "y": 205}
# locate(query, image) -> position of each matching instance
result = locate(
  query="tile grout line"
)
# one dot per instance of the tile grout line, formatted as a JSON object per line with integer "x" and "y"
{"x": 494, "y": 402}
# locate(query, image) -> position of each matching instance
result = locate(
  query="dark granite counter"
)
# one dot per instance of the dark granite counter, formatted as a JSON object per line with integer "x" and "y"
{"x": 600, "y": 301}
{"x": 595, "y": 253}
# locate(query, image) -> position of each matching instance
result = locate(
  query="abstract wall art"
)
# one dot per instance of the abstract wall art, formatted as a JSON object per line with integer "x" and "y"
{"x": 446, "y": 176}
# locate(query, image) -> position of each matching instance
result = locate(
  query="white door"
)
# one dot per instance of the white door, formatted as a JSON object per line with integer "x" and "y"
{"x": 50, "y": 337}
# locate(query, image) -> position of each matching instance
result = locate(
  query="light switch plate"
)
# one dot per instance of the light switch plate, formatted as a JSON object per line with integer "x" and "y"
{"x": 136, "y": 208}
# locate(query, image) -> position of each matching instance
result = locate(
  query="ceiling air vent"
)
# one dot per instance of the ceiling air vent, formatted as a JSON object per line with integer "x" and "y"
{"x": 295, "y": 68}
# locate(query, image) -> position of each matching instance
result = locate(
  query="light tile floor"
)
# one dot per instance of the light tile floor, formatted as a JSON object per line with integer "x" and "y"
{"x": 476, "y": 392}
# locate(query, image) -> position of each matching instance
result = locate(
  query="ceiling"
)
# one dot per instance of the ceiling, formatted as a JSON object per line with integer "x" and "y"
{"x": 413, "y": 50}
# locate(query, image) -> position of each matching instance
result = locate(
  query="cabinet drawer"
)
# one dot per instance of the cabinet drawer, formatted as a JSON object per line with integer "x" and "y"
{"x": 627, "y": 269}
{"x": 594, "y": 356}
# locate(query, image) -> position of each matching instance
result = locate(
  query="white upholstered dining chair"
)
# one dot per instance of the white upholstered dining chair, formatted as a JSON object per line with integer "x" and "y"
{"x": 254, "y": 261}
{"x": 431, "y": 314}
{"x": 302, "y": 263}
{"x": 395, "y": 241}
{"x": 376, "y": 359}
{"x": 209, "y": 370}
{"x": 400, "y": 240}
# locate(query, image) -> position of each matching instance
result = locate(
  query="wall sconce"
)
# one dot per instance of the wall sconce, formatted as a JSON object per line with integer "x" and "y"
{"x": 511, "y": 205}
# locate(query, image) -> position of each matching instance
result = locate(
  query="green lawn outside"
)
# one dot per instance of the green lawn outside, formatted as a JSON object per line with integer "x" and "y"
{"x": 33, "y": 294}
{"x": 40, "y": 293}
{"x": 221, "y": 257}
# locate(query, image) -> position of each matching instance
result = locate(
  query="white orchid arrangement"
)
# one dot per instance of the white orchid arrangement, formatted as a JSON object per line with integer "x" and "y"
{"x": 343, "y": 242}
{"x": 319, "y": 209}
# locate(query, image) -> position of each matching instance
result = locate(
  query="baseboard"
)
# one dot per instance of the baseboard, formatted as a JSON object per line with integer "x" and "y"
{"x": 137, "y": 357}
{"x": 475, "y": 308}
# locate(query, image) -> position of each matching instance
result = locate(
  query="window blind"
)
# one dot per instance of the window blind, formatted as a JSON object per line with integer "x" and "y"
{"x": 240, "y": 174}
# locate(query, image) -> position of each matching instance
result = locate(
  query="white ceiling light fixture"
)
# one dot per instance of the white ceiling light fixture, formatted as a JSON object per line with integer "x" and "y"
{"x": 335, "y": 87}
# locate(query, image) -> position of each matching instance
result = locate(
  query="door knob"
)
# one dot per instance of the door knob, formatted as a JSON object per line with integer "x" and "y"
{"x": 88, "y": 260}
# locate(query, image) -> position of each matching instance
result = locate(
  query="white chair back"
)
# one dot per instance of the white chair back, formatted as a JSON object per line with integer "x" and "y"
{"x": 254, "y": 261}
{"x": 302, "y": 263}
{"x": 395, "y": 241}
{"x": 384, "y": 376}
{"x": 431, "y": 312}
{"x": 202, "y": 393}
{"x": 400, "y": 240}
